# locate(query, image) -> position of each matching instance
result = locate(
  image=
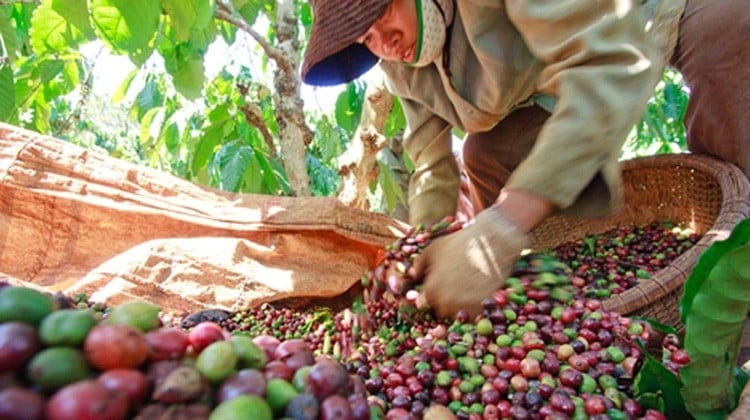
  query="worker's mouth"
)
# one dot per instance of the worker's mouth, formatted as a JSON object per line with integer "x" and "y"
{"x": 407, "y": 55}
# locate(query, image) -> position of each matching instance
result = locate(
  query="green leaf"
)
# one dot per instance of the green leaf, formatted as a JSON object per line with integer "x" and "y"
{"x": 228, "y": 32}
{"x": 396, "y": 121}
{"x": 349, "y": 107}
{"x": 249, "y": 10}
{"x": 706, "y": 263}
{"x": 41, "y": 111}
{"x": 233, "y": 159}
{"x": 205, "y": 148}
{"x": 280, "y": 175}
{"x": 590, "y": 242}
{"x": 8, "y": 35}
{"x": 170, "y": 136}
{"x": 7, "y": 93}
{"x": 392, "y": 191}
{"x": 149, "y": 97}
{"x": 127, "y": 26}
{"x": 124, "y": 87}
{"x": 656, "y": 325}
{"x": 59, "y": 25}
{"x": 147, "y": 125}
{"x": 673, "y": 106}
{"x": 305, "y": 15}
{"x": 656, "y": 378}
{"x": 271, "y": 183}
{"x": 715, "y": 306}
{"x": 253, "y": 177}
{"x": 188, "y": 76}
{"x": 200, "y": 39}
{"x": 64, "y": 82}
{"x": 187, "y": 15}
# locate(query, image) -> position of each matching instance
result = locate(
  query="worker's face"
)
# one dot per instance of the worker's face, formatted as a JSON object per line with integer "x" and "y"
{"x": 393, "y": 36}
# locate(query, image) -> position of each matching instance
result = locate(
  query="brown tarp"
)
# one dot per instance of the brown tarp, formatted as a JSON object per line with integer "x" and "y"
{"x": 73, "y": 220}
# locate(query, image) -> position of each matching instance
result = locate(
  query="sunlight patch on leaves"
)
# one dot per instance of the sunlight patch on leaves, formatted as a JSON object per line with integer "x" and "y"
{"x": 127, "y": 26}
{"x": 60, "y": 25}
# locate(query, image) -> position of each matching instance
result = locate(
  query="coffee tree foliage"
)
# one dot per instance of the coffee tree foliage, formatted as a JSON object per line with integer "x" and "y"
{"x": 220, "y": 130}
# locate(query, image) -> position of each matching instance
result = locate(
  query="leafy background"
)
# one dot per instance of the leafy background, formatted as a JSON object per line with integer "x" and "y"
{"x": 172, "y": 114}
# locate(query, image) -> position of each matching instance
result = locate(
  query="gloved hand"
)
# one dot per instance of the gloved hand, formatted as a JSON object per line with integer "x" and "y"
{"x": 461, "y": 269}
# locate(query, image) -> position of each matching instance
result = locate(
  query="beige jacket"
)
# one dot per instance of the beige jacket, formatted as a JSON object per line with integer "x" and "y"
{"x": 595, "y": 61}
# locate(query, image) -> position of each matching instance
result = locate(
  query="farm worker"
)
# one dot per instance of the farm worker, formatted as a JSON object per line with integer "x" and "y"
{"x": 547, "y": 91}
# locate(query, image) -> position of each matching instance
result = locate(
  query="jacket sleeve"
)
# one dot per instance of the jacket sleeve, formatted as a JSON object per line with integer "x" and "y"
{"x": 599, "y": 65}
{"x": 434, "y": 185}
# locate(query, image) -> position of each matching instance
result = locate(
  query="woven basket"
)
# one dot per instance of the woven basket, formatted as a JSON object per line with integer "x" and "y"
{"x": 695, "y": 191}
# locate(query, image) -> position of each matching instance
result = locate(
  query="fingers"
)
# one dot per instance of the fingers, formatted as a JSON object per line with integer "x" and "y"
{"x": 397, "y": 282}
{"x": 421, "y": 267}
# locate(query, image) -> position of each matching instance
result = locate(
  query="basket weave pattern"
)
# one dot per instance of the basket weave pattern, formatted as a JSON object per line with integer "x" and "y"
{"x": 695, "y": 191}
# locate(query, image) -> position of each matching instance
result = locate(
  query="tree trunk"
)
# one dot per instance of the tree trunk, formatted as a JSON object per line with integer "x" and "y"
{"x": 358, "y": 165}
{"x": 294, "y": 134}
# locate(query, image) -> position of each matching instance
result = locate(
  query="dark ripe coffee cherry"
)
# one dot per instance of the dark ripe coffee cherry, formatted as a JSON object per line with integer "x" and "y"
{"x": 533, "y": 400}
{"x": 519, "y": 413}
{"x": 595, "y": 404}
{"x": 463, "y": 316}
{"x": 439, "y": 396}
{"x": 503, "y": 353}
{"x": 679, "y": 357}
{"x": 571, "y": 378}
{"x": 517, "y": 352}
{"x": 405, "y": 366}
{"x": 632, "y": 408}
{"x": 393, "y": 380}
{"x": 587, "y": 335}
{"x": 439, "y": 353}
{"x": 326, "y": 378}
{"x": 498, "y": 329}
{"x": 489, "y": 304}
{"x": 496, "y": 316}
{"x": 578, "y": 346}
{"x": 426, "y": 378}
{"x": 491, "y": 412}
{"x": 518, "y": 399}
{"x": 471, "y": 398}
{"x": 545, "y": 391}
{"x": 490, "y": 396}
{"x": 422, "y": 397}
{"x": 501, "y": 385}
{"x": 590, "y": 324}
{"x": 604, "y": 337}
{"x": 551, "y": 365}
{"x": 335, "y": 407}
{"x": 505, "y": 374}
{"x": 579, "y": 362}
{"x": 544, "y": 307}
{"x": 374, "y": 385}
{"x": 417, "y": 408}
{"x": 401, "y": 390}
{"x": 562, "y": 403}
{"x": 401, "y": 401}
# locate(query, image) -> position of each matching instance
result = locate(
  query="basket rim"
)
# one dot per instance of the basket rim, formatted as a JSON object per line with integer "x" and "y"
{"x": 735, "y": 207}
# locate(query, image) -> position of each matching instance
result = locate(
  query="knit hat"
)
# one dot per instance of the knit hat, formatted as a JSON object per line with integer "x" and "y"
{"x": 332, "y": 56}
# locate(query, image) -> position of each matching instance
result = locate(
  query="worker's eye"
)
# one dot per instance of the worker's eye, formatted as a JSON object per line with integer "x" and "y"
{"x": 365, "y": 39}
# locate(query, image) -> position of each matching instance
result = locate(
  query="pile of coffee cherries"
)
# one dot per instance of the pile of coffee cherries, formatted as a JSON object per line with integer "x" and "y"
{"x": 541, "y": 348}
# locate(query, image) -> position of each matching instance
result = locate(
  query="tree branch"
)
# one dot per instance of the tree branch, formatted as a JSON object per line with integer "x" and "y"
{"x": 225, "y": 12}
{"x": 252, "y": 115}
